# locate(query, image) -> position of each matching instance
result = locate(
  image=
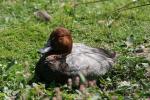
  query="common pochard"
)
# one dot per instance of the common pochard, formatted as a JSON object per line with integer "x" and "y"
{"x": 62, "y": 59}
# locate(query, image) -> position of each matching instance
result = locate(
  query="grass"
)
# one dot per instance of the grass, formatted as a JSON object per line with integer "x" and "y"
{"x": 95, "y": 24}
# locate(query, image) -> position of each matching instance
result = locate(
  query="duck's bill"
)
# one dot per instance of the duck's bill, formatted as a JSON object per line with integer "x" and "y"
{"x": 45, "y": 50}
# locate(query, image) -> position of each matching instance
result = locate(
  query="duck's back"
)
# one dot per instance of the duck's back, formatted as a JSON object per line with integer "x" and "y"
{"x": 91, "y": 62}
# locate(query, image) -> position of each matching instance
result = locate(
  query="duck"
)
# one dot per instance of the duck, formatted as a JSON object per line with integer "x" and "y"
{"x": 62, "y": 59}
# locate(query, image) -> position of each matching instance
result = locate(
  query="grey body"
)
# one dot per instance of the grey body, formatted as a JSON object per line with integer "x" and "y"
{"x": 91, "y": 62}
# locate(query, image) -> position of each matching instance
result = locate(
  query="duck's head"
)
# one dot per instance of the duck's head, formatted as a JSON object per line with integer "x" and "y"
{"x": 59, "y": 42}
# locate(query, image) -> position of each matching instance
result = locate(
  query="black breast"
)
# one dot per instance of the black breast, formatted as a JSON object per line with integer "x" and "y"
{"x": 52, "y": 68}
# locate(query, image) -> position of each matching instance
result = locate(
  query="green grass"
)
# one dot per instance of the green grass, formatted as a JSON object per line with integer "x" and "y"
{"x": 21, "y": 35}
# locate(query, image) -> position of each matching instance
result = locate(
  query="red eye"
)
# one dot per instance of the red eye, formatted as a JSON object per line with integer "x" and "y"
{"x": 61, "y": 39}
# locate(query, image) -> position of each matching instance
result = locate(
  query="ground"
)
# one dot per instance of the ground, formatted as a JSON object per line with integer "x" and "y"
{"x": 118, "y": 25}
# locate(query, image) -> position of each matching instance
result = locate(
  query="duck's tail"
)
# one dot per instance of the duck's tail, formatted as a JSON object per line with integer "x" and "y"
{"x": 110, "y": 54}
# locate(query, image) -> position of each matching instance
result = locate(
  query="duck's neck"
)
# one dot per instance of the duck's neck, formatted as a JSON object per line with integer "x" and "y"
{"x": 57, "y": 53}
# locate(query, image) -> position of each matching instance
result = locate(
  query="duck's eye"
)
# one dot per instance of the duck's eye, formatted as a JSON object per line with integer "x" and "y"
{"x": 60, "y": 39}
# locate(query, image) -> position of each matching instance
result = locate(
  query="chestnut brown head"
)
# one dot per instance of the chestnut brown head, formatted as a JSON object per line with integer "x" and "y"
{"x": 59, "y": 42}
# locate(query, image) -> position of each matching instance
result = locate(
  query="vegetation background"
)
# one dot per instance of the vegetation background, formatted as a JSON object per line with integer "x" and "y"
{"x": 119, "y": 25}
